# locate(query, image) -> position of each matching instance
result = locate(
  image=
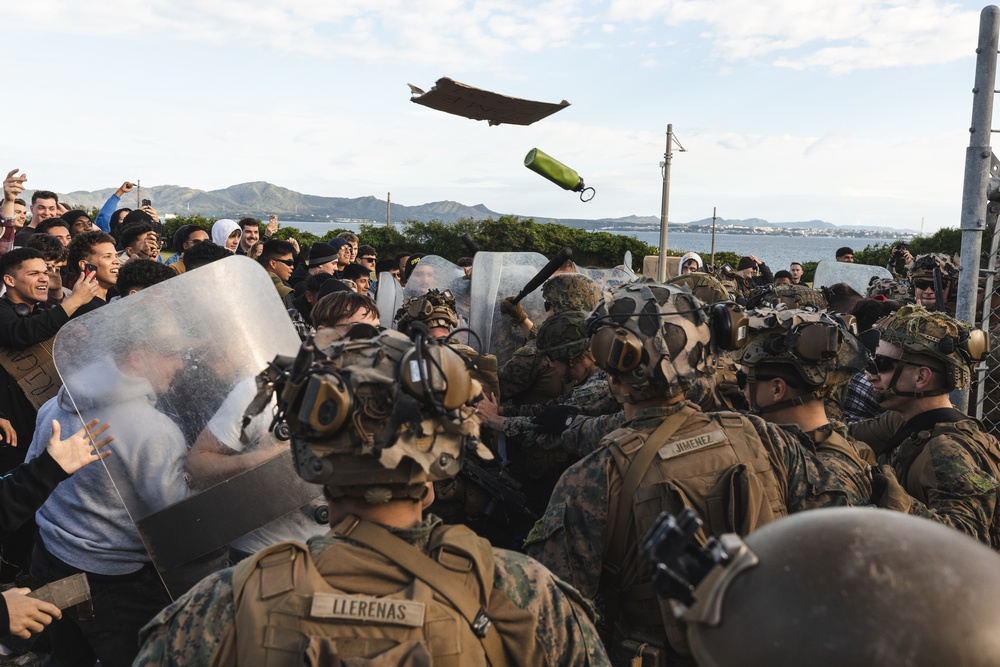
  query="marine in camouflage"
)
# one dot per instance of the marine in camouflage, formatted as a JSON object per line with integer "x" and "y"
{"x": 890, "y": 289}
{"x": 791, "y": 296}
{"x": 530, "y": 378}
{"x": 570, "y": 291}
{"x": 198, "y": 627}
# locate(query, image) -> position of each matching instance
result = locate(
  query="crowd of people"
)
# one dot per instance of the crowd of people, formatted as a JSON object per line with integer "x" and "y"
{"x": 469, "y": 509}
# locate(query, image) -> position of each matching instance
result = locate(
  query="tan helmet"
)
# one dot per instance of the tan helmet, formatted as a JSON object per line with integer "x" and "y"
{"x": 655, "y": 338}
{"x": 570, "y": 291}
{"x": 791, "y": 296}
{"x": 923, "y": 267}
{"x": 435, "y": 309}
{"x": 819, "y": 345}
{"x": 705, "y": 286}
{"x": 818, "y": 588}
{"x": 378, "y": 418}
{"x": 563, "y": 336}
{"x": 917, "y": 330}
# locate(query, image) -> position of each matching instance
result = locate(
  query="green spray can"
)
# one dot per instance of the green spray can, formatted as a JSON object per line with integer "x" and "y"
{"x": 555, "y": 171}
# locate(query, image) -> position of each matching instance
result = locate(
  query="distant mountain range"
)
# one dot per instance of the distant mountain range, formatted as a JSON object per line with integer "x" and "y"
{"x": 260, "y": 199}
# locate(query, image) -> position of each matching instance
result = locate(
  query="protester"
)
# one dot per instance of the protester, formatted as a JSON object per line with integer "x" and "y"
{"x": 845, "y": 254}
{"x": 796, "y": 271}
{"x": 227, "y": 233}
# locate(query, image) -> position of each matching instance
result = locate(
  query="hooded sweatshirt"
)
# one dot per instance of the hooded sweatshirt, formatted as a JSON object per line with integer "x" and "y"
{"x": 222, "y": 229}
{"x": 690, "y": 255}
{"x": 84, "y": 523}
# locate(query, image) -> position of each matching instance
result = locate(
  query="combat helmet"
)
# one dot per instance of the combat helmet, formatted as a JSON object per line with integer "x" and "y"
{"x": 705, "y": 286}
{"x": 923, "y": 267}
{"x": 655, "y": 338}
{"x": 815, "y": 588}
{"x": 376, "y": 418}
{"x": 570, "y": 291}
{"x": 890, "y": 289}
{"x": 918, "y": 331}
{"x": 820, "y": 346}
{"x": 563, "y": 336}
{"x": 435, "y": 309}
{"x": 791, "y": 296}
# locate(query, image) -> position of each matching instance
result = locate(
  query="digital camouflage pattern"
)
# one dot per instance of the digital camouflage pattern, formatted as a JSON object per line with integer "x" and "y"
{"x": 570, "y": 291}
{"x": 890, "y": 289}
{"x": 201, "y": 624}
{"x": 949, "y": 470}
{"x": 791, "y": 296}
{"x": 592, "y": 397}
{"x": 530, "y": 378}
{"x": 563, "y": 336}
{"x": 569, "y": 539}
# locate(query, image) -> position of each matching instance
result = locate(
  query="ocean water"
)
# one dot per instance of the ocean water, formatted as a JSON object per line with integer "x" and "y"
{"x": 775, "y": 251}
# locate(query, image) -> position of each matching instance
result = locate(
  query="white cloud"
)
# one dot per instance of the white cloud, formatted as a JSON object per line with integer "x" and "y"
{"x": 840, "y": 35}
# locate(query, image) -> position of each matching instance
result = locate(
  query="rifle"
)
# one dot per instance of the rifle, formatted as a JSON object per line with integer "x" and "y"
{"x": 497, "y": 487}
{"x": 938, "y": 289}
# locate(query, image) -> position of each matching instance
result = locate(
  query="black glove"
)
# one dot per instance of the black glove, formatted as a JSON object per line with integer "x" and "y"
{"x": 555, "y": 419}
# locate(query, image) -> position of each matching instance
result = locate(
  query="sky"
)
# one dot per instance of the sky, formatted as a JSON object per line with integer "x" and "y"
{"x": 855, "y": 112}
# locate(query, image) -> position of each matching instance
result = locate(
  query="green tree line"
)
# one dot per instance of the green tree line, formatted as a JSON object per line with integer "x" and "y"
{"x": 513, "y": 234}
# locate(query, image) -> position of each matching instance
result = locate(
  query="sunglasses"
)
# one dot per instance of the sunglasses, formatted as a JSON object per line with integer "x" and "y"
{"x": 923, "y": 284}
{"x": 286, "y": 262}
{"x": 366, "y": 259}
{"x": 881, "y": 363}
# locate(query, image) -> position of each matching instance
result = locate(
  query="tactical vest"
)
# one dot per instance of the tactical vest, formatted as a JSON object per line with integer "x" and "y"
{"x": 714, "y": 464}
{"x": 355, "y": 603}
{"x": 912, "y": 461}
{"x": 484, "y": 369}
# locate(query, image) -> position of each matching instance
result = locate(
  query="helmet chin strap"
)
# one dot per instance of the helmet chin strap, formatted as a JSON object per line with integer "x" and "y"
{"x": 787, "y": 403}
{"x": 892, "y": 391}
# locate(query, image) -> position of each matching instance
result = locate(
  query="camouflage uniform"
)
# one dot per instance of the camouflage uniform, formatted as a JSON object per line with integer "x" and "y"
{"x": 570, "y": 538}
{"x": 949, "y": 466}
{"x": 940, "y": 464}
{"x": 199, "y": 626}
{"x": 792, "y": 296}
{"x": 922, "y": 268}
{"x": 593, "y": 397}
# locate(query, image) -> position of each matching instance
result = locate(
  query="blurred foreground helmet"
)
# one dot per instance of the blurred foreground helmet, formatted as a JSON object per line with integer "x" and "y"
{"x": 570, "y": 291}
{"x": 705, "y": 286}
{"x": 845, "y": 586}
{"x": 563, "y": 336}
{"x": 377, "y": 418}
{"x": 923, "y": 267}
{"x": 435, "y": 309}
{"x": 791, "y": 296}
{"x": 655, "y": 338}
{"x": 932, "y": 333}
{"x": 820, "y": 346}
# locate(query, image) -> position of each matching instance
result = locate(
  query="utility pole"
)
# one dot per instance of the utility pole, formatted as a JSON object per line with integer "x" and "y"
{"x": 978, "y": 157}
{"x": 665, "y": 200}
{"x": 713, "y": 236}
{"x": 388, "y": 196}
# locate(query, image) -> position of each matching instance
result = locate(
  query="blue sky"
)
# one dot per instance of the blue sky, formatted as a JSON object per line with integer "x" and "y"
{"x": 850, "y": 111}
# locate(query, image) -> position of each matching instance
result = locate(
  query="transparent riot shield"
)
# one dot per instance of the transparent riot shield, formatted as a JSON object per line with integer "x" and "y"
{"x": 495, "y": 276}
{"x": 830, "y": 272}
{"x": 171, "y": 369}
{"x": 438, "y": 273}
{"x": 610, "y": 278}
{"x": 388, "y": 298}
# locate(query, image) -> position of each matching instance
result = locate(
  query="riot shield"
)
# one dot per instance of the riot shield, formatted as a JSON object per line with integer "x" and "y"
{"x": 609, "y": 278}
{"x": 162, "y": 366}
{"x": 495, "y": 276}
{"x": 830, "y": 272}
{"x": 388, "y": 298}
{"x": 438, "y": 273}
